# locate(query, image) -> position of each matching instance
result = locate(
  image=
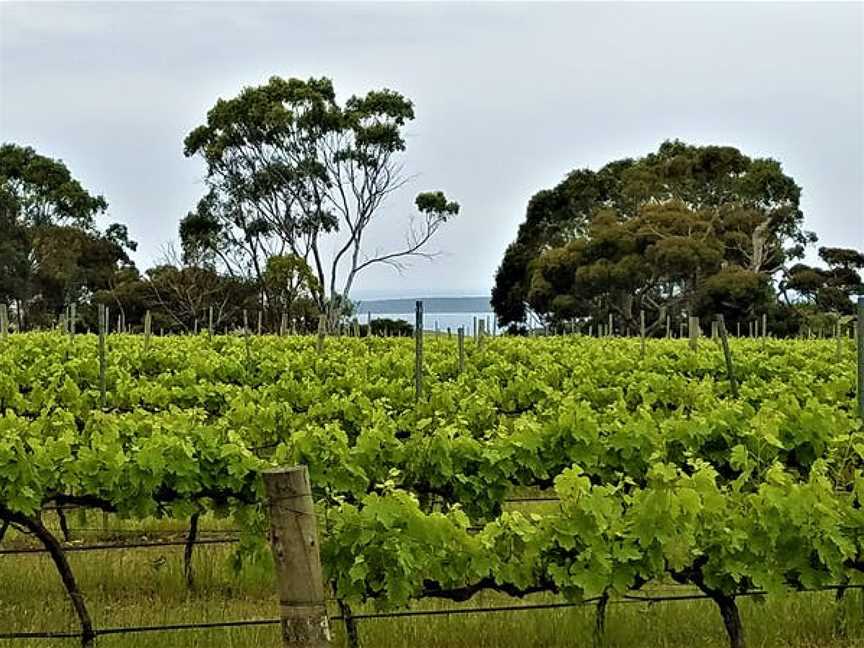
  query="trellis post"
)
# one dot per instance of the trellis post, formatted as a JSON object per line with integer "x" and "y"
{"x": 294, "y": 543}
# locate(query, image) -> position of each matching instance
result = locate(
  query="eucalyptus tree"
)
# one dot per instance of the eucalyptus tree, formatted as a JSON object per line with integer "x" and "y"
{"x": 51, "y": 251}
{"x": 289, "y": 167}
{"x": 647, "y": 233}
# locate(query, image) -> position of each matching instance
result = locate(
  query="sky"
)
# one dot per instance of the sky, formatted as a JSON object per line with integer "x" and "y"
{"x": 509, "y": 98}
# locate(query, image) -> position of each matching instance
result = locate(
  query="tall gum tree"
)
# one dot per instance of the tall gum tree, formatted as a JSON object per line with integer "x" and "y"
{"x": 51, "y": 252}
{"x": 289, "y": 167}
{"x": 646, "y": 233}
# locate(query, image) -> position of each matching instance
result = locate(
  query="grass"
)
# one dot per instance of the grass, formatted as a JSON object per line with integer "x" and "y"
{"x": 147, "y": 587}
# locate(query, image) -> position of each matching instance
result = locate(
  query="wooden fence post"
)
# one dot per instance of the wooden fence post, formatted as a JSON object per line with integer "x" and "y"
{"x": 693, "y": 332}
{"x": 668, "y": 327}
{"x": 103, "y": 360}
{"x": 727, "y": 354}
{"x": 294, "y": 542}
{"x": 73, "y": 315}
{"x": 861, "y": 357}
{"x": 210, "y": 323}
{"x": 642, "y": 332}
{"x": 764, "y": 325}
{"x": 839, "y": 337}
{"x": 322, "y": 332}
{"x": 148, "y": 325}
{"x": 4, "y": 321}
{"x": 418, "y": 350}
{"x": 481, "y": 332}
{"x": 246, "y": 340}
{"x": 260, "y": 322}
{"x": 461, "y": 341}
{"x": 611, "y": 330}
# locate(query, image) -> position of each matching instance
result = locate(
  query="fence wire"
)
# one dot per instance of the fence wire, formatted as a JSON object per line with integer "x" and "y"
{"x": 627, "y": 599}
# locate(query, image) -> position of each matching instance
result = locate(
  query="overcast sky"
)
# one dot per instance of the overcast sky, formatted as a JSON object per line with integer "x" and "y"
{"x": 509, "y": 98}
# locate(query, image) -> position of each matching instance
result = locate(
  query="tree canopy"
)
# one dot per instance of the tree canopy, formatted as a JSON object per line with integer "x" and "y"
{"x": 51, "y": 252}
{"x": 696, "y": 229}
{"x": 287, "y": 167}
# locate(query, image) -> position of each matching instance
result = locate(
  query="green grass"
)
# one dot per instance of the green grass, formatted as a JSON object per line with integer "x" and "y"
{"x": 147, "y": 587}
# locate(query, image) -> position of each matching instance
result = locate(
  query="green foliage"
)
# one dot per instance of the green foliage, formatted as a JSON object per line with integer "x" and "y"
{"x": 51, "y": 252}
{"x": 646, "y": 234}
{"x": 41, "y": 191}
{"x": 386, "y": 326}
{"x": 659, "y": 471}
{"x": 287, "y": 166}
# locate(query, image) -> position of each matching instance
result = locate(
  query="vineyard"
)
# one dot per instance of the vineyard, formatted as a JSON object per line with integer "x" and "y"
{"x": 587, "y": 469}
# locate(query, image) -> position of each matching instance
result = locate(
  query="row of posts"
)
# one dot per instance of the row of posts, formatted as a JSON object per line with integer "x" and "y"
{"x": 293, "y": 528}
{"x": 693, "y": 331}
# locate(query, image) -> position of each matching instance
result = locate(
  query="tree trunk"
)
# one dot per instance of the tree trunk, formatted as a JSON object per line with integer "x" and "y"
{"x": 55, "y": 550}
{"x": 599, "y": 637}
{"x": 731, "y": 619}
{"x": 187, "y": 551}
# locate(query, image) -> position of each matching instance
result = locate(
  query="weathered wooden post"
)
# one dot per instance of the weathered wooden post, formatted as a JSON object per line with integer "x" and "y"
{"x": 611, "y": 330}
{"x": 727, "y": 355}
{"x": 764, "y": 324}
{"x": 481, "y": 332}
{"x": 294, "y": 543}
{"x": 4, "y": 321}
{"x": 418, "y": 349}
{"x": 861, "y": 357}
{"x": 260, "y": 322}
{"x": 693, "y": 332}
{"x": 839, "y": 339}
{"x": 247, "y": 341}
{"x": 460, "y": 334}
{"x": 474, "y": 332}
{"x": 73, "y": 315}
{"x": 210, "y": 323}
{"x": 148, "y": 325}
{"x": 322, "y": 332}
{"x": 668, "y": 327}
{"x": 103, "y": 360}
{"x": 642, "y": 332}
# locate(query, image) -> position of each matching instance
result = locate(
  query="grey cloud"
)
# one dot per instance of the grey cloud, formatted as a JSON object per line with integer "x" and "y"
{"x": 509, "y": 98}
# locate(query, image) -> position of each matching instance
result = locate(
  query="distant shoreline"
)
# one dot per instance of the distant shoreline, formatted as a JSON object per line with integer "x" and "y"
{"x": 436, "y": 305}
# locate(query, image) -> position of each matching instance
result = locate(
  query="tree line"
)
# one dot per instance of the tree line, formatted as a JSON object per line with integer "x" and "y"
{"x": 294, "y": 179}
{"x": 686, "y": 230}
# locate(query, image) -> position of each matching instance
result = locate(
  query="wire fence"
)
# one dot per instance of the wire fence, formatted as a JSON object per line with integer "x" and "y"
{"x": 108, "y": 546}
{"x": 627, "y": 599}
